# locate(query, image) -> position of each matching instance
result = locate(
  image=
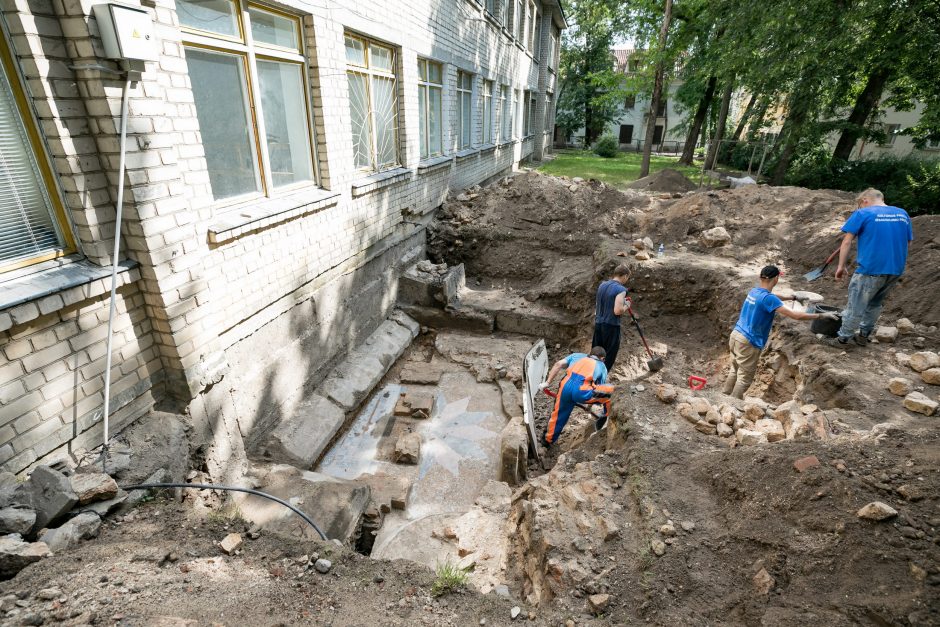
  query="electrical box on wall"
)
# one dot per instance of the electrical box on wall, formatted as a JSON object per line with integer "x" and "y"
{"x": 127, "y": 32}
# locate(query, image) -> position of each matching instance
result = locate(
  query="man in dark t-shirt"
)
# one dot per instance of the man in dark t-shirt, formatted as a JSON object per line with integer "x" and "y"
{"x": 611, "y": 303}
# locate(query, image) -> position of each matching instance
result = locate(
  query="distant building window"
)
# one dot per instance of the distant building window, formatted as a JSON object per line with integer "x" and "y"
{"x": 505, "y": 114}
{"x": 633, "y": 65}
{"x": 532, "y": 105}
{"x": 373, "y": 102}
{"x": 933, "y": 144}
{"x": 626, "y": 133}
{"x": 629, "y": 102}
{"x": 553, "y": 50}
{"x": 537, "y": 35}
{"x": 526, "y": 114}
{"x": 520, "y": 21}
{"x": 658, "y": 134}
{"x": 464, "y": 109}
{"x": 232, "y": 98}
{"x": 487, "y": 112}
{"x": 32, "y": 220}
{"x": 549, "y": 98}
{"x": 532, "y": 27}
{"x": 518, "y": 127}
{"x": 430, "y": 89}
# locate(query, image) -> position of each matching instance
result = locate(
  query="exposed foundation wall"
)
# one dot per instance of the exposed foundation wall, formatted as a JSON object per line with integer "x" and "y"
{"x": 233, "y": 307}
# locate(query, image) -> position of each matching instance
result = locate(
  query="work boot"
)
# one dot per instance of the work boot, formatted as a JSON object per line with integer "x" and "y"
{"x": 861, "y": 340}
{"x": 837, "y": 342}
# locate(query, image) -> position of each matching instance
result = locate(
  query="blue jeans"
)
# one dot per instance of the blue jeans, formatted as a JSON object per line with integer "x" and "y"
{"x": 867, "y": 293}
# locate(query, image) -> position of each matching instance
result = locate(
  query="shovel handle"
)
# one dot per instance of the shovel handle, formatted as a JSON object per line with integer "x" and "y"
{"x": 640, "y": 331}
{"x": 833, "y": 255}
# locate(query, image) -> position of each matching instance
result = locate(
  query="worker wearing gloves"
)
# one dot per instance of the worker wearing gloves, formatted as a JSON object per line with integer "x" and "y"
{"x": 753, "y": 328}
{"x": 584, "y": 384}
{"x": 611, "y": 303}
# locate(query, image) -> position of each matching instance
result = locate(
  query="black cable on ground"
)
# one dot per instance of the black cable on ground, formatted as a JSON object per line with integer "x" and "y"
{"x": 203, "y": 486}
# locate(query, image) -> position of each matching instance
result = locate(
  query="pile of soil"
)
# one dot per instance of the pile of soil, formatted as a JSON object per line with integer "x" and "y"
{"x": 665, "y": 181}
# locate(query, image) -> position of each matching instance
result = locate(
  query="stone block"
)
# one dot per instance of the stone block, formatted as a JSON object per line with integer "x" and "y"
{"x": 408, "y": 448}
{"x": 748, "y": 437}
{"x": 352, "y": 381}
{"x": 700, "y": 405}
{"x": 686, "y": 411}
{"x": 511, "y": 398}
{"x": 713, "y": 417}
{"x": 93, "y": 486}
{"x": 724, "y": 430}
{"x": 302, "y": 438}
{"x": 920, "y": 403}
{"x": 931, "y": 376}
{"x": 16, "y": 520}
{"x": 513, "y": 447}
{"x": 420, "y": 373}
{"x": 899, "y": 386}
{"x": 667, "y": 393}
{"x": 877, "y": 511}
{"x": 924, "y": 360}
{"x": 15, "y": 554}
{"x": 713, "y": 238}
{"x": 805, "y": 463}
{"x": 705, "y": 427}
{"x": 886, "y": 335}
{"x": 82, "y": 527}
{"x": 905, "y": 326}
{"x": 771, "y": 428}
{"x": 753, "y": 412}
{"x": 49, "y": 493}
{"x": 231, "y": 543}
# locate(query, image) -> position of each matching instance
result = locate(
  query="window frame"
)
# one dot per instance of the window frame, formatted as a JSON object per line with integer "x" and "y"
{"x": 536, "y": 36}
{"x": 486, "y": 135}
{"x": 41, "y": 158}
{"x": 529, "y": 42}
{"x": 505, "y": 114}
{"x": 461, "y": 113}
{"x": 526, "y": 113}
{"x": 427, "y": 85}
{"x": 533, "y": 107}
{"x": 250, "y": 52}
{"x": 370, "y": 72}
{"x": 520, "y": 24}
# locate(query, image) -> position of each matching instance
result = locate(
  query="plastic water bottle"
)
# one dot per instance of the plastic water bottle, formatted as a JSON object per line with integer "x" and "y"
{"x": 662, "y": 250}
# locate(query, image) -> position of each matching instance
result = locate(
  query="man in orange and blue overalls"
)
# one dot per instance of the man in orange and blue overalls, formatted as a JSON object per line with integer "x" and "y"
{"x": 585, "y": 383}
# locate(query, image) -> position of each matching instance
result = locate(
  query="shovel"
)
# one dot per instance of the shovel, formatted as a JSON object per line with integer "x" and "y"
{"x": 655, "y": 363}
{"x": 815, "y": 273}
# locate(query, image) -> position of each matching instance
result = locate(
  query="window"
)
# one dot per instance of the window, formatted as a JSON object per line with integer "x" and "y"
{"x": 373, "y": 103}
{"x": 553, "y": 50}
{"x": 254, "y": 121}
{"x": 464, "y": 109}
{"x": 517, "y": 112}
{"x": 629, "y": 102}
{"x": 520, "y": 22}
{"x": 430, "y": 88}
{"x": 505, "y": 114}
{"x": 658, "y": 134}
{"x": 531, "y": 23}
{"x": 32, "y": 219}
{"x": 548, "y": 112}
{"x": 536, "y": 35}
{"x": 933, "y": 144}
{"x": 626, "y": 133}
{"x": 505, "y": 8}
{"x": 487, "y": 112}
{"x": 511, "y": 19}
{"x": 661, "y": 110}
{"x": 891, "y": 132}
{"x": 532, "y": 104}
{"x": 526, "y": 119}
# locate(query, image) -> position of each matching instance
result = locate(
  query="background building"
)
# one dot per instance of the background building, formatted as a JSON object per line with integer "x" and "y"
{"x": 282, "y": 162}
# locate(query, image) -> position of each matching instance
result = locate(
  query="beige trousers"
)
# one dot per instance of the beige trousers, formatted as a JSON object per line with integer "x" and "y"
{"x": 744, "y": 359}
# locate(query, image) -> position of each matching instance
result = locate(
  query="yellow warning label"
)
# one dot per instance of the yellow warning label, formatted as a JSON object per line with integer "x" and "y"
{"x": 135, "y": 34}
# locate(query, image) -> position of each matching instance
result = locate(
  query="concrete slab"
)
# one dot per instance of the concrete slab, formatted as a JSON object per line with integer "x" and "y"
{"x": 301, "y": 439}
{"x": 335, "y": 505}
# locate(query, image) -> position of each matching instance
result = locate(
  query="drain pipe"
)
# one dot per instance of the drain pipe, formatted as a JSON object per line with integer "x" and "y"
{"x": 203, "y": 486}
{"x": 114, "y": 266}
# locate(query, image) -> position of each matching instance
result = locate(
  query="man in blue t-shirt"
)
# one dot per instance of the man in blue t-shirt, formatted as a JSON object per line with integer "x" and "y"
{"x": 884, "y": 235}
{"x": 753, "y": 328}
{"x": 610, "y": 305}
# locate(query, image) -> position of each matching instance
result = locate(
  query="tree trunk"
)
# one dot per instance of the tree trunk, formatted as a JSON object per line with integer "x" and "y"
{"x": 688, "y": 151}
{"x": 748, "y": 112}
{"x": 712, "y": 156}
{"x": 790, "y": 134}
{"x": 866, "y": 102}
{"x": 657, "y": 93}
{"x": 758, "y": 119}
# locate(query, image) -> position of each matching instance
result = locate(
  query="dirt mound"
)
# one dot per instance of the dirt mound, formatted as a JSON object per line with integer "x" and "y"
{"x": 667, "y": 180}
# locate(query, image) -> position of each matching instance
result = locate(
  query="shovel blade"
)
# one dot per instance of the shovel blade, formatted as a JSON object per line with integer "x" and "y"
{"x": 814, "y": 274}
{"x": 655, "y": 364}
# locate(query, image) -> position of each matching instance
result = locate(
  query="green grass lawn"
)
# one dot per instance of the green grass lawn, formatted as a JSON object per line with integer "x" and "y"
{"x": 617, "y": 171}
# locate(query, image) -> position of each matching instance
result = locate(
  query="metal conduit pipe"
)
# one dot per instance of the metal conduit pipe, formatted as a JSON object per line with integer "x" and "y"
{"x": 203, "y": 486}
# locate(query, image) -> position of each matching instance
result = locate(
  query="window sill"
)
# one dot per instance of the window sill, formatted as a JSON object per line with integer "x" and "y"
{"x": 379, "y": 180}
{"x": 519, "y": 46}
{"x": 270, "y": 211}
{"x": 467, "y": 152}
{"x": 31, "y": 296}
{"x": 492, "y": 19}
{"x": 434, "y": 163}
{"x": 487, "y": 147}
{"x": 507, "y": 142}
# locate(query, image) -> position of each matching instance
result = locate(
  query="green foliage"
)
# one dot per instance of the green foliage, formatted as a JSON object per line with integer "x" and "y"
{"x": 618, "y": 171}
{"x": 607, "y": 147}
{"x": 449, "y": 579}
{"x": 907, "y": 182}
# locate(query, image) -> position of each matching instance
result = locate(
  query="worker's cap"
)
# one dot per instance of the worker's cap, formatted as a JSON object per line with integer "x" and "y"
{"x": 769, "y": 272}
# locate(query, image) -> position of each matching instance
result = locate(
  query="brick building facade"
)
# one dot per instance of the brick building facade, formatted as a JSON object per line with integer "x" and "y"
{"x": 282, "y": 161}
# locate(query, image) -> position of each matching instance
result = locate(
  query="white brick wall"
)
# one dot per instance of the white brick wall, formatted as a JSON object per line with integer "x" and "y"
{"x": 200, "y": 298}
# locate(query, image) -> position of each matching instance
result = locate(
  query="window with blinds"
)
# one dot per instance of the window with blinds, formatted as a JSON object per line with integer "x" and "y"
{"x": 29, "y": 226}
